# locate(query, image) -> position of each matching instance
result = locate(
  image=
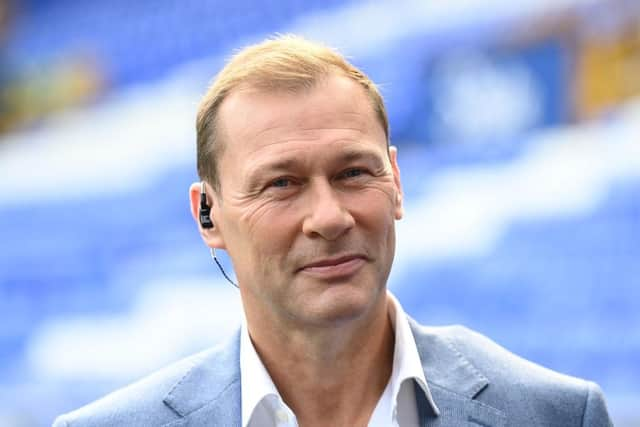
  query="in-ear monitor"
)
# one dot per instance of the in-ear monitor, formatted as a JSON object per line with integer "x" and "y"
{"x": 204, "y": 213}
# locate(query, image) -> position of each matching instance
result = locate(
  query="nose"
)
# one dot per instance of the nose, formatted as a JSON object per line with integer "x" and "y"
{"x": 327, "y": 215}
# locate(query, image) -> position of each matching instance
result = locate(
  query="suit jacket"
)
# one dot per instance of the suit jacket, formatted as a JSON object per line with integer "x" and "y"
{"x": 473, "y": 381}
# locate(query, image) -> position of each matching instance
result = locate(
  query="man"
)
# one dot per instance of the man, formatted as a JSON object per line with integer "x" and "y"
{"x": 302, "y": 189}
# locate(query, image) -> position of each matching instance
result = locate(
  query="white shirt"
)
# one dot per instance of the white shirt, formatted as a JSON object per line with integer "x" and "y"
{"x": 262, "y": 405}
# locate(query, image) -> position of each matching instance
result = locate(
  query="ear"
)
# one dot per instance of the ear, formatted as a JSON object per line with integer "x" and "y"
{"x": 211, "y": 236}
{"x": 393, "y": 156}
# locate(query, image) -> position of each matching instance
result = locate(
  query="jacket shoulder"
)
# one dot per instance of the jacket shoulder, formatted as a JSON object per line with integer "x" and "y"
{"x": 138, "y": 404}
{"x": 501, "y": 366}
{"x": 525, "y": 391}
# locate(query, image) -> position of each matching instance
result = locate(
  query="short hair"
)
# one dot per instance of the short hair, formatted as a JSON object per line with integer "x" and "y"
{"x": 284, "y": 63}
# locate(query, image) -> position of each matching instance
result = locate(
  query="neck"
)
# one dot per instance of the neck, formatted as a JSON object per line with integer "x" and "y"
{"x": 333, "y": 375}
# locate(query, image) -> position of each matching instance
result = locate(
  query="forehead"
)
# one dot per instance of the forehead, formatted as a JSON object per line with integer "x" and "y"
{"x": 336, "y": 107}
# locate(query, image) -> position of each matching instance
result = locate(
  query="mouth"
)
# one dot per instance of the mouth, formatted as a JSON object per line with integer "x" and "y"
{"x": 334, "y": 268}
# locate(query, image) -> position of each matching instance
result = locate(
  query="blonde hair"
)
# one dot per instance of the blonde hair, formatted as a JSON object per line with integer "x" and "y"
{"x": 284, "y": 63}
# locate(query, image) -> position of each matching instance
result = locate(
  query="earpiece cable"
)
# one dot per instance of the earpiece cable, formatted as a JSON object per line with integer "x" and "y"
{"x": 213, "y": 255}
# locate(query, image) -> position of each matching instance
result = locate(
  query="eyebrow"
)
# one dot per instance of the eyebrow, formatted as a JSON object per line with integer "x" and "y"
{"x": 260, "y": 172}
{"x": 291, "y": 163}
{"x": 277, "y": 165}
{"x": 354, "y": 155}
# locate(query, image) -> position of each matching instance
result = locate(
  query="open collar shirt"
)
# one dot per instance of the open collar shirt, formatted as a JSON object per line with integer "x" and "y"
{"x": 262, "y": 405}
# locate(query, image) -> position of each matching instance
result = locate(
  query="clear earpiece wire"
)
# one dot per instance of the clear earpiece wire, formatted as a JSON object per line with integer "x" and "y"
{"x": 215, "y": 259}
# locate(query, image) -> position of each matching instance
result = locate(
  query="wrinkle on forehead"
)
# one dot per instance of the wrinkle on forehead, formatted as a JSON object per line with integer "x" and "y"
{"x": 307, "y": 131}
{"x": 300, "y": 140}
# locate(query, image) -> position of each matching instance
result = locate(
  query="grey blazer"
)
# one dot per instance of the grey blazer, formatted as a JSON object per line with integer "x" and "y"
{"x": 473, "y": 381}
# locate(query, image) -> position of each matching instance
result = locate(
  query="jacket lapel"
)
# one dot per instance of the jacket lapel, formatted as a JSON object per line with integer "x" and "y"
{"x": 454, "y": 383}
{"x": 209, "y": 393}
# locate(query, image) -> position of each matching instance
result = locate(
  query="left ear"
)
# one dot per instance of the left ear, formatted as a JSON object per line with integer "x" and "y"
{"x": 393, "y": 156}
{"x": 212, "y": 237}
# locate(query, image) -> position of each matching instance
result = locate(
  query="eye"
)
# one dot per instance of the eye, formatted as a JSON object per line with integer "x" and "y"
{"x": 281, "y": 182}
{"x": 353, "y": 173}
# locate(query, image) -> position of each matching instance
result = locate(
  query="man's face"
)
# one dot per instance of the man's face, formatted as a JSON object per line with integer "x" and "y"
{"x": 308, "y": 200}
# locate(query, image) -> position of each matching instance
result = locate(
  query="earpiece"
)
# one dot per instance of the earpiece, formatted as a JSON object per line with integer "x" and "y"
{"x": 204, "y": 213}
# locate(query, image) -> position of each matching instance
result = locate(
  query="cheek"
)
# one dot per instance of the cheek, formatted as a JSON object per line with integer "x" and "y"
{"x": 270, "y": 228}
{"x": 376, "y": 210}
{"x": 375, "y": 206}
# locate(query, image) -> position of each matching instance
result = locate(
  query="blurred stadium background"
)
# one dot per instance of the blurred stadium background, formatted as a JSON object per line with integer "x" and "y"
{"x": 518, "y": 125}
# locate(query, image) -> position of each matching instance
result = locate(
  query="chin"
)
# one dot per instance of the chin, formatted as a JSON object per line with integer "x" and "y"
{"x": 340, "y": 304}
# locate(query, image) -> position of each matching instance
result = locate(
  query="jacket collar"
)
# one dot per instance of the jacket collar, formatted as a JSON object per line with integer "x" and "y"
{"x": 454, "y": 383}
{"x": 444, "y": 365}
{"x": 210, "y": 390}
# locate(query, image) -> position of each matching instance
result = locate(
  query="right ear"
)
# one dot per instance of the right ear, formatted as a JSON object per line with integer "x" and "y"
{"x": 211, "y": 236}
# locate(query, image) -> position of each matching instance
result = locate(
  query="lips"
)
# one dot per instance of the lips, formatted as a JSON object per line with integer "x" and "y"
{"x": 336, "y": 267}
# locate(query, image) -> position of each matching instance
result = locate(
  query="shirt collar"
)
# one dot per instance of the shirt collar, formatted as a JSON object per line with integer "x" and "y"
{"x": 256, "y": 383}
{"x": 406, "y": 360}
